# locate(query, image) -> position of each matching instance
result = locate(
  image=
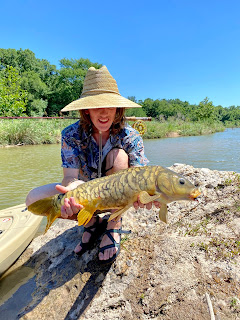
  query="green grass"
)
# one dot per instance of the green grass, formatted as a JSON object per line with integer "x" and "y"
{"x": 157, "y": 129}
{"x": 14, "y": 132}
{"x": 221, "y": 248}
{"x": 38, "y": 131}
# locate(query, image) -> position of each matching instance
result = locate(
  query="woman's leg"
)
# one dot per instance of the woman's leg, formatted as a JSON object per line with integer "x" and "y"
{"x": 117, "y": 159}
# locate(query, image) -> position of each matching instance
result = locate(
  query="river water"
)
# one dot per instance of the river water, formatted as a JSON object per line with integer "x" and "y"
{"x": 26, "y": 167}
{"x": 23, "y": 168}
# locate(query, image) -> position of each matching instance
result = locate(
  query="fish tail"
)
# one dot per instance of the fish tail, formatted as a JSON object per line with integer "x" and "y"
{"x": 46, "y": 207}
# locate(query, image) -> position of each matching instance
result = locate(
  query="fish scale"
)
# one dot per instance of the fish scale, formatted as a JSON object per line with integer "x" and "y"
{"x": 119, "y": 191}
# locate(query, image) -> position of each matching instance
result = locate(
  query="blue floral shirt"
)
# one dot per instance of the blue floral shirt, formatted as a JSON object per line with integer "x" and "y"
{"x": 80, "y": 150}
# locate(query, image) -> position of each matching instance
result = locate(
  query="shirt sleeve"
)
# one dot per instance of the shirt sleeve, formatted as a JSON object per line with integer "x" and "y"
{"x": 134, "y": 147}
{"x": 69, "y": 151}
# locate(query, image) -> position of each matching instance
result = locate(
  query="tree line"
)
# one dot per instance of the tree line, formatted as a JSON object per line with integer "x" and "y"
{"x": 34, "y": 87}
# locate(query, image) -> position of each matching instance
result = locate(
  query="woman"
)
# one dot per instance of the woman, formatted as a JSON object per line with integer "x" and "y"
{"x": 97, "y": 145}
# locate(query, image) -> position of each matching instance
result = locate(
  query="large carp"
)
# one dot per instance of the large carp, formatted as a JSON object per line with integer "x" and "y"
{"x": 119, "y": 191}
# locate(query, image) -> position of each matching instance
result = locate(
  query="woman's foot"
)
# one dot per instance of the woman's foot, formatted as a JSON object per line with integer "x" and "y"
{"x": 108, "y": 253}
{"x": 93, "y": 229}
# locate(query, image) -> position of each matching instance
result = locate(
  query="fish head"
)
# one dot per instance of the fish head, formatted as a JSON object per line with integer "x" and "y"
{"x": 176, "y": 187}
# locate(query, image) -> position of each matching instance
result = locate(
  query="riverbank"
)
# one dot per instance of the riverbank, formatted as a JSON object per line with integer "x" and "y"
{"x": 36, "y": 131}
{"x": 163, "y": 271}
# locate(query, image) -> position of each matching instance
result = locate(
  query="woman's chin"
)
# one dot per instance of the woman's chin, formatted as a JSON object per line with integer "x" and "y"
{"x": 103, "y": 127}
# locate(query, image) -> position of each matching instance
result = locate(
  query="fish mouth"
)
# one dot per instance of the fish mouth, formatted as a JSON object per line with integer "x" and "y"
{"x": 195, "y": 194}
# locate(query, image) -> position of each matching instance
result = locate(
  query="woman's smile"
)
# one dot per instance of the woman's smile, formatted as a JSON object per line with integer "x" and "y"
{"x": 102, "y": 118}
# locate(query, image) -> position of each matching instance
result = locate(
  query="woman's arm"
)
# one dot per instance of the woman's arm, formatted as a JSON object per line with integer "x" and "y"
{"x": 70, "y": 181}
{"x": 69, "y": 175}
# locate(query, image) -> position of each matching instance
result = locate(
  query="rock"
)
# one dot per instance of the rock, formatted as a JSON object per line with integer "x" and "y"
{"x": 176, "y": 164}
{"x": 163, "y": 271}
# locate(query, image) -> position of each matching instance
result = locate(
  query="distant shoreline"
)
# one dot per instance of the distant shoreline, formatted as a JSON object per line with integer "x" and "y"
{"x": 34, "y": 132}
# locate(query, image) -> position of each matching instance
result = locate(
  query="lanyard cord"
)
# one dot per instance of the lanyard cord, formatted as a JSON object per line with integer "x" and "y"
{"x": 100, "y": 155}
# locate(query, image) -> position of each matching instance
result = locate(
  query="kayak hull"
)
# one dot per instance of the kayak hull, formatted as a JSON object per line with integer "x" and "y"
{"x": 17, "y": 229}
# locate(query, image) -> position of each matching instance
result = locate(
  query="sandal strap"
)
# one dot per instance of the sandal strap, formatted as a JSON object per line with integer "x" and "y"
{"x": 118, "y": 231}
{"x": 112, "y": 245}
{"x": 94, "y": 226}
{"x": 99, "y": 228}
{"x": 114, "y": 242}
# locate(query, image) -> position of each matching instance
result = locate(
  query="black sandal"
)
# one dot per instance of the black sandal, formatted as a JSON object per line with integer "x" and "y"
{"x": 98, "y": 229}
{"x": 114, "y": 244}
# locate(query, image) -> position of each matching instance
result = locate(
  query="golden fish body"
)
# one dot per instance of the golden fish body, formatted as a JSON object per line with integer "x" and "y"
{"x": 119, "y": 191}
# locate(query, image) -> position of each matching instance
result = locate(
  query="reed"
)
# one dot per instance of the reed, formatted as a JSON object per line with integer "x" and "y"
{"x": 31, "y": 131}
{"x": 38, "y": 131}
{"x": 174, "y": 128}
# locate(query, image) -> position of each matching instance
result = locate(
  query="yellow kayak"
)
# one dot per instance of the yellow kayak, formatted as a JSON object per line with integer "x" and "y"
{"x": 17, "y": 229}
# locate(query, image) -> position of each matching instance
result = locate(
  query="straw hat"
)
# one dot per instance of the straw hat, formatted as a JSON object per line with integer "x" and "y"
{"x": 100, "y": 90}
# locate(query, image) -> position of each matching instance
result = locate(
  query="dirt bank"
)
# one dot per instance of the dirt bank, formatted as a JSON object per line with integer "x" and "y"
{"x": 163, "y": 271}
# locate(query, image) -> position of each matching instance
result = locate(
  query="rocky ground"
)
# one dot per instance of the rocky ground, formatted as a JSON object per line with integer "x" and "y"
{"x": 163, "y": 271}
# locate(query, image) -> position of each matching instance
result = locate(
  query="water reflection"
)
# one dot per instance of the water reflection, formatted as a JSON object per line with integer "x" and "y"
{"x": 10, "y": 282}
{"x": 23, "y": 168}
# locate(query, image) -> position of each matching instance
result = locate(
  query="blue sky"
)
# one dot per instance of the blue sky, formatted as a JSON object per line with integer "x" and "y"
{"x": 186, "y": 49}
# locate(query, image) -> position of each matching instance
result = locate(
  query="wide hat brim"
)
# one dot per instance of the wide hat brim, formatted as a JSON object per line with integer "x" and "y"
{"x": 101, "y": 100}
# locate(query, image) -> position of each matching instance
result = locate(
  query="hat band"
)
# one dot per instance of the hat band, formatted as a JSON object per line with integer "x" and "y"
{"x": 97, "y": 91}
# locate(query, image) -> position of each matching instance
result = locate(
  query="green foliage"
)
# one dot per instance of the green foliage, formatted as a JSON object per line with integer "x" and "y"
{"x": 205, "y": 111}
{"x": 8, "y": 57}
{"x": 32, "y": 131}
{"x": 132, "y": 98}
{"x": 156, "y": 129}
{"x": 69, "y": 83}
{"x": 50, "y": 89}
{"x": 150, "y": 108}
{"x": 221, "y": 248}
{"x": 135, "y": 112}
{"x": 37, "y": 76}
{"x": 13, "y": 99}
{"x": 37, "y": 131}
{"x": 33, "y": 84}
{"x": 38, "y": 107}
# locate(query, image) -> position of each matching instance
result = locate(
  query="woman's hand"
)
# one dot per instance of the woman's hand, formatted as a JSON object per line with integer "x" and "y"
{"x": 70, "y": 207}
{"x": 138, "y": 204}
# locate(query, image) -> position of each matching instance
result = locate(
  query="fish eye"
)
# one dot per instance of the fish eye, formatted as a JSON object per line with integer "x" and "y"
{"x": 181, "y": 181}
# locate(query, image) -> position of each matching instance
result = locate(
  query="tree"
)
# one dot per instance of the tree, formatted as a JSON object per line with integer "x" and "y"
{"x": 47, "y": 86}
{"x": 8, "y": 57}
{"x": 38, "y": 108}
{"x": 149, "y": 109}
{"x": 164, "y": 108}
{"x": 68, "y": 83}
{"x": 135, "y": 112}
{"x": 37, "y": 76}
{"x": 234, "y": 113}
{"x": 37, "y": 93}
{"x": 205, "y": 110}
{"x": 13, "y": 99}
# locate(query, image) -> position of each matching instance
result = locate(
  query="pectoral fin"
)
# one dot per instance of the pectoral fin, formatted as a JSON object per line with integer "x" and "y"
{"x": 118, "y": 213}
{"x": 85, "y": 215}
{"x": 144, "y": 197}
{"x": 163, "y": 213}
